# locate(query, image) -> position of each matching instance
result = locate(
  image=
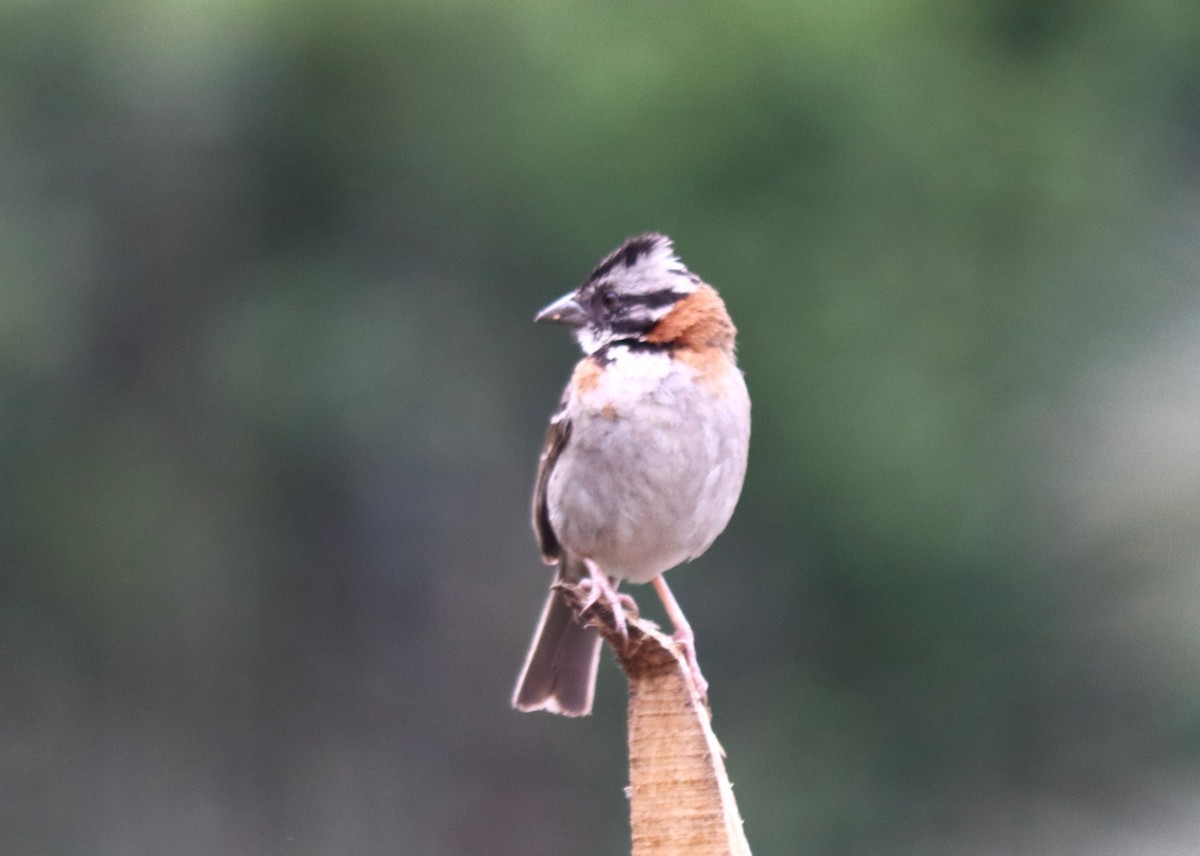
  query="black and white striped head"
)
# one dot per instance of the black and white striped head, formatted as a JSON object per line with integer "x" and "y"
{"x": 628, "y": 293}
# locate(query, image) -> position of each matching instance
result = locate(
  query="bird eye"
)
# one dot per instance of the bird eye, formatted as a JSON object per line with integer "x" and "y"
{"x": 610, "y": 299}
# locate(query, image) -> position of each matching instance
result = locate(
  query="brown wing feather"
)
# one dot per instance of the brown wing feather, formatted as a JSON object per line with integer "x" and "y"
{"x": 556, "y": 440}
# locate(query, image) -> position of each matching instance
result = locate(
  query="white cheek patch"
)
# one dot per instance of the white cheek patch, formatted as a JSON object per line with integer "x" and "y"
{"x": 590, "y": 339}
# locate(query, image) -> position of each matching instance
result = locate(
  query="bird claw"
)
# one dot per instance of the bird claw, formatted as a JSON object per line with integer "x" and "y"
{"x": 687, "y": 647}
{"x": 600, "y": 589}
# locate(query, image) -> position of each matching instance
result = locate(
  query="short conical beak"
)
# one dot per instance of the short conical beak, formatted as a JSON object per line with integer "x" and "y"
{"x": 565, "y": 310}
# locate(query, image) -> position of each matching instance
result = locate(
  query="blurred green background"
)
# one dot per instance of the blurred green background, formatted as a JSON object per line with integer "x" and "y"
{"x": 271, "y": 401}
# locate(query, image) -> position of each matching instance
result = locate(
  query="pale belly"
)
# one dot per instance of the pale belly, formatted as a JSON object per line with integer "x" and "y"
{"x": 640, "y": 489}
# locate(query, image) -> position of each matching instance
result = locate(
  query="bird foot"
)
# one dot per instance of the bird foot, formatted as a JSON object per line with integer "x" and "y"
{"x": 687, "y": 647}
{"x": 600, "y": 588}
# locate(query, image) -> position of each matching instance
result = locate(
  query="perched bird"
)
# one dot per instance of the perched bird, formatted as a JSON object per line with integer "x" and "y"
{"x": 644, "y": 460}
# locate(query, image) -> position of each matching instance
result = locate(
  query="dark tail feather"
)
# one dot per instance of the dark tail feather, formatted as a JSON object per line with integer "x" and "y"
{"x": 560, "y": 669}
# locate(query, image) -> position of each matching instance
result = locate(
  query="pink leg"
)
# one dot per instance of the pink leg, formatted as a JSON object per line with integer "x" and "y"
{"x": 602, "y": 588}
{"x": 684, "y": 637}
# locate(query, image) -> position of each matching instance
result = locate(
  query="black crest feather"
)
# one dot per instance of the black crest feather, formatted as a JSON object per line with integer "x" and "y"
{"x": 629, "y": 252}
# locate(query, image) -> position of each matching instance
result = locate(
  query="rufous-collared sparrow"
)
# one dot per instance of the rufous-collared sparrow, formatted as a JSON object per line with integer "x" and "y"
{"x": 644, "y": 460}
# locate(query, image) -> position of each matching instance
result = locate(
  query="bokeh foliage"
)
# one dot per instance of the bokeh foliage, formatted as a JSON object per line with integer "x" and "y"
{"x": 270, "y": 403}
